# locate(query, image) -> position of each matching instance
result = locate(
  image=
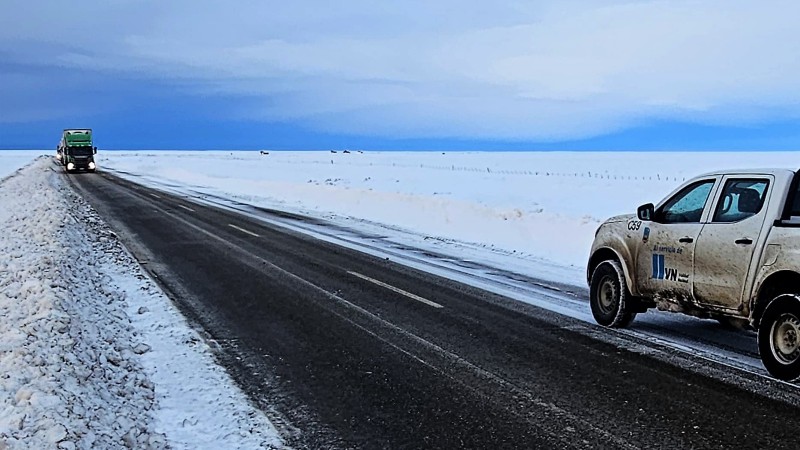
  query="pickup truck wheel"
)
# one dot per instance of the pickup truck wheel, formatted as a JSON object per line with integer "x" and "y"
{"x": 608, "y": 296}
{"x": 779, "y": 337}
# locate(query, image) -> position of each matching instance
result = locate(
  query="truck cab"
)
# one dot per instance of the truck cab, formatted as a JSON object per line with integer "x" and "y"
{"x": 75, "y": 150}
{"x": 724, "y": 245}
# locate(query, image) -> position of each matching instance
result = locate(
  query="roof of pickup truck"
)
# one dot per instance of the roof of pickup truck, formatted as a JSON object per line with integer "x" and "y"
{"x": 762, "y": 171}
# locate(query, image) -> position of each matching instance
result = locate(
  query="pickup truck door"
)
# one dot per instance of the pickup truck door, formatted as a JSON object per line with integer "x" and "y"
{"x": 726, "y": 246}
{"x": 666, "y": 254}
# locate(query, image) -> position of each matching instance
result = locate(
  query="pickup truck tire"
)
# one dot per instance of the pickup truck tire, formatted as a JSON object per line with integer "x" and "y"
{"x": 779, "y": 337}
{"x": 609, "y": 297}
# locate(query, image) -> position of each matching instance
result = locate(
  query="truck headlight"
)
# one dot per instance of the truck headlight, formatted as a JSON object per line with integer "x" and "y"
{"x": 70, "y": 166}
{"x": 92, "y": 165}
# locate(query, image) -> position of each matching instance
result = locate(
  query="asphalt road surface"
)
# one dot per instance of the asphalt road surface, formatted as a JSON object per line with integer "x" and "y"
{"x": 346, "y": 350}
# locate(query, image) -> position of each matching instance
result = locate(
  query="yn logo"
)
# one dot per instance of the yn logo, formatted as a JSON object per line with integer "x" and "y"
{"x": 660, "y": 271}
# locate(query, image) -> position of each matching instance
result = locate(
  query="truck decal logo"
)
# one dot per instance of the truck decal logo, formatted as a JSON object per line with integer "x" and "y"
{"x": 662, "y": 272}
{"x": 634, "y": 225}
{"x": 667, "y": 249}
{"x": 658, "y": 266}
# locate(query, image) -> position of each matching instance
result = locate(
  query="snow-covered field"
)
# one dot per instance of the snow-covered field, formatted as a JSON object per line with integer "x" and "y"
{"x": 12, "y": 160}
{"x": 93, "y": 355}
{"x": 536, "y": 210}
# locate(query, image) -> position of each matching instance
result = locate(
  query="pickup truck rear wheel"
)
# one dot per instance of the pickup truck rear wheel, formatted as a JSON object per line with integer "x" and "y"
{"x": 609, "y": 297}
{"x": 779, "y": 337}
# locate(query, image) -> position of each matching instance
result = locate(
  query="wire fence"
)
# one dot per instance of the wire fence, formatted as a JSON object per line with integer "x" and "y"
{"x": 500, "y": 171}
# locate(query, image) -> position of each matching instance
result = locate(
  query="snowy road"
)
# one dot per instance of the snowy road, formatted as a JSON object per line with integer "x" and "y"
{"x": 349, "y": 349}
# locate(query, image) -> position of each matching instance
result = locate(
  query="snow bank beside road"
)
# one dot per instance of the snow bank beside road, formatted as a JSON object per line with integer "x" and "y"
{"x": 92, "y": 355}
{"x": 70, "y": 376}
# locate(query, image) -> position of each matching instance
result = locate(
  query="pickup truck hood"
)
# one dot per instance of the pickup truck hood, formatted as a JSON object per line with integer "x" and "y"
{"x": 621, "y": 218}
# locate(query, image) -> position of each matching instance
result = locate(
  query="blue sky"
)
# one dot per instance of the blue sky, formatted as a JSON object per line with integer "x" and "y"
{"x": 411, "y": 75}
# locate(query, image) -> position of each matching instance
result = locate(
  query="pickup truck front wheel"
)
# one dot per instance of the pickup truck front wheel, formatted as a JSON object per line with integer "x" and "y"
{"x": 608, "y": 296}
{"x": 779, "y": 337}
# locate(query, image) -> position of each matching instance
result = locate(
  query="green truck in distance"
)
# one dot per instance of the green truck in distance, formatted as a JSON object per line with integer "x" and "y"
{"x": 75, "y": 150}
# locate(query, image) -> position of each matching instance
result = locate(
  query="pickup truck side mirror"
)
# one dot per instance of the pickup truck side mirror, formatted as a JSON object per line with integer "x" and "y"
{"x": 646, "y": 211}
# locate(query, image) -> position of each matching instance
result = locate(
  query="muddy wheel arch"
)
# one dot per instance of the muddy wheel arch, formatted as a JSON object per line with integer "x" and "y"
{"x": 782, "y": 282}
{"x": 605, "y": 254}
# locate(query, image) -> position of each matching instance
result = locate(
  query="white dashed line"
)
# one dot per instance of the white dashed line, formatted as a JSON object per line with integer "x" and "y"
{"x": 186, "y": 208}
{"x": 398, "y": 290}
{"x": 154, "y": 195}
{"x": 243, "y": 230}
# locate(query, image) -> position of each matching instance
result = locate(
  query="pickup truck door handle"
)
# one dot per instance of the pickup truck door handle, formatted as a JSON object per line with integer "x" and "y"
{"x": 744, "y": 241}
{"x": 686, "y": 240}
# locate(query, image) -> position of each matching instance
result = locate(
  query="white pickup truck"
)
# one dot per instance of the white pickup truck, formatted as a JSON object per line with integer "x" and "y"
{"x": 724, "y": 245}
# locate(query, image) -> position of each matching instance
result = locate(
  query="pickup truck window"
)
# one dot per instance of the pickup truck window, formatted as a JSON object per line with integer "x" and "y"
{"x": 687, "y": 205}
{"x": 793, "y": 206}
{"x": 741, "y": 198}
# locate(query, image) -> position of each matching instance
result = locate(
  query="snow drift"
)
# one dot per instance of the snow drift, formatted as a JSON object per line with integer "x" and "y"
{"x": 92, "y": 354}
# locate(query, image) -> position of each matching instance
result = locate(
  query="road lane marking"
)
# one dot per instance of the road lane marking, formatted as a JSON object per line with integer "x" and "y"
{"x": 154, "y": 195}
{"x": 243, "y": 230}
{"x": 395, "y": 289}
{"x": 186, "y": 208}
